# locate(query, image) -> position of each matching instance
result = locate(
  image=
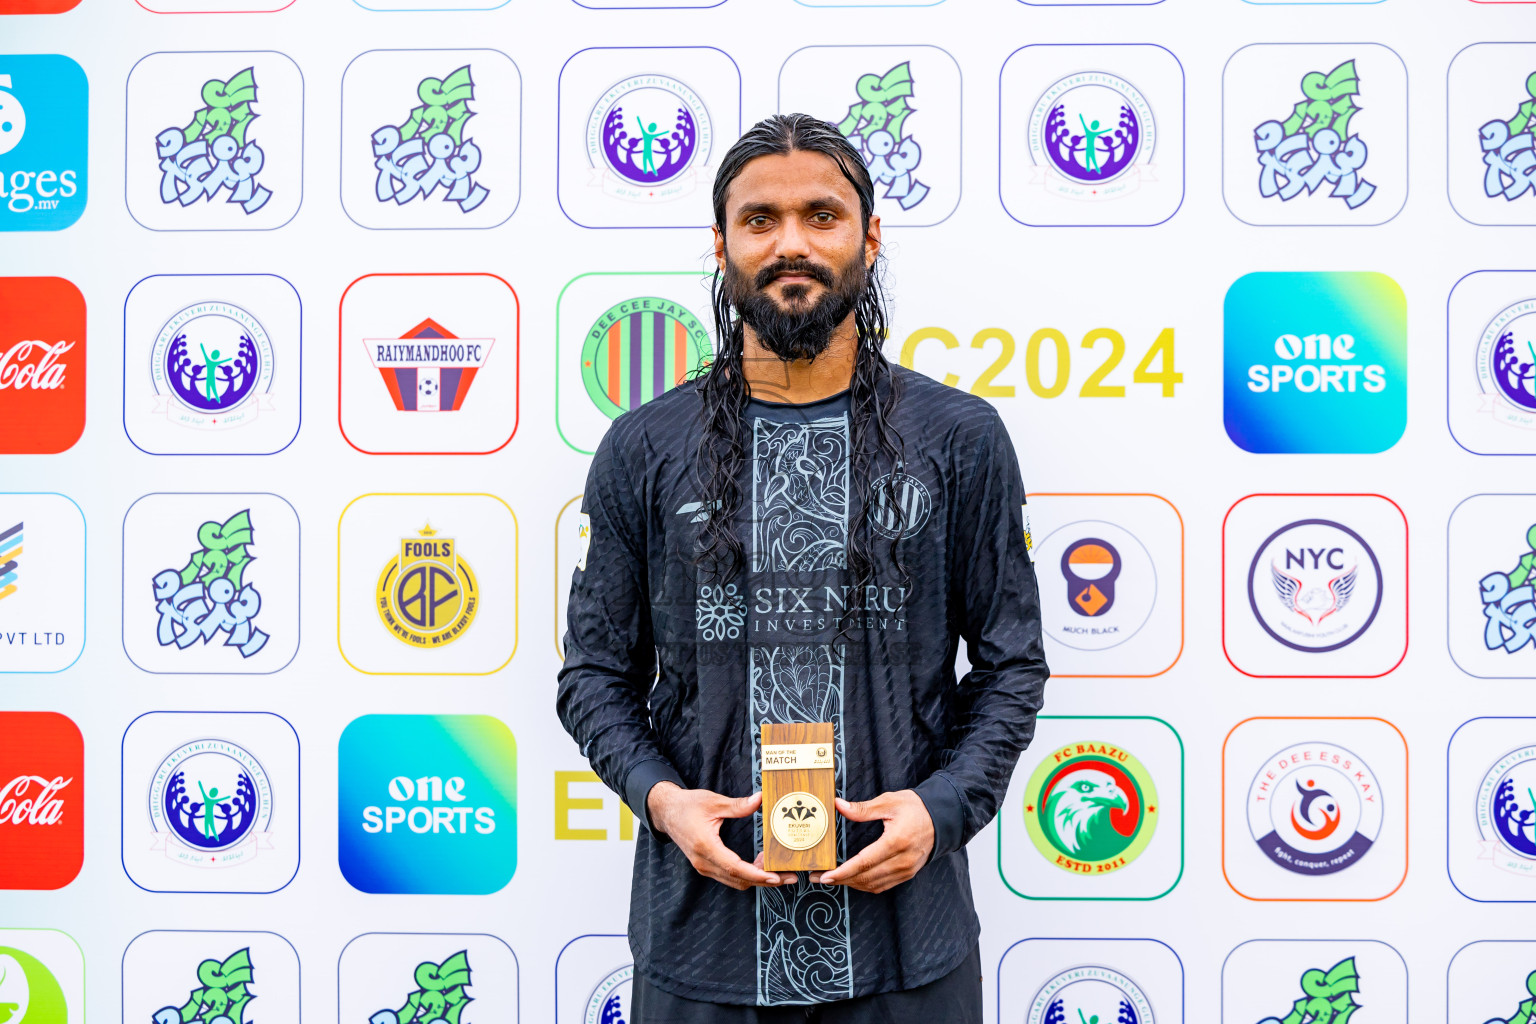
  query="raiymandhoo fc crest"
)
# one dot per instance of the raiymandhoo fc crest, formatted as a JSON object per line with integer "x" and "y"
{"x": 1090, "y": 807}
{"x": 427, "y": 597}
{"x": 428, "y": 368}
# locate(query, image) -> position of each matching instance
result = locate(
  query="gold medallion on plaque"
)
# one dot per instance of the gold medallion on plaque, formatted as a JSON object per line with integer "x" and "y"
{"x": 798, "y": 820}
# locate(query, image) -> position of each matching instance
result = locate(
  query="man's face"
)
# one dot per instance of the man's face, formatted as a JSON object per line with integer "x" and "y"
{"x": 793, "y": 252}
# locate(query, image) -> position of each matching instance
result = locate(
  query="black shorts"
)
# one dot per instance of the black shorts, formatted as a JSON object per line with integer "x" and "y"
{"x": 952, "y": 999}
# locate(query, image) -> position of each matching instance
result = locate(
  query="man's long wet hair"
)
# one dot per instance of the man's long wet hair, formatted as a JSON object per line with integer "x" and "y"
{"x": 723, "y": 445}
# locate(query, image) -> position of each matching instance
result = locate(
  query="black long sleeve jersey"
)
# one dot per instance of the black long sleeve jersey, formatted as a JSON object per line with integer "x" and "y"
{"x": 669, "y": 672}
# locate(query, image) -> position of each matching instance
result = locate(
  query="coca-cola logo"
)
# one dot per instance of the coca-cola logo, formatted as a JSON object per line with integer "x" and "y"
{"x": 34, "y": 364}
{"x": 32, "y": 800}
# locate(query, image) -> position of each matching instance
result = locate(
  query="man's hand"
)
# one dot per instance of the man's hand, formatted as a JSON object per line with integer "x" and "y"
{"x": 900, "y": 851}
{"x": 692, "y": 817}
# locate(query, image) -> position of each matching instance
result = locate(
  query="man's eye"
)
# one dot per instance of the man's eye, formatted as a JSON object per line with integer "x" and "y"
{"x": 758, "y": 221}
{"x": 823, "y": 217}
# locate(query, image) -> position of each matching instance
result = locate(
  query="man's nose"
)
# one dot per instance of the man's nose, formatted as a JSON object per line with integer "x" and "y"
{"x": 793, "y": 242}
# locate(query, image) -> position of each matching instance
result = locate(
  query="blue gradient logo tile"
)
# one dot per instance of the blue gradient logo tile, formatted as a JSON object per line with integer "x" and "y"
{"x": 42, "y": 142}
{"x": 1315, "y": 362}
{"x": 427, "y": 804}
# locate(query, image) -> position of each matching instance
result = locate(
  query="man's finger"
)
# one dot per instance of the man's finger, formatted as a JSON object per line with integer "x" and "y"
{"x": 724, "y": 859}
{"x": 784, "y": 879}
{"x": 877, "y": 851}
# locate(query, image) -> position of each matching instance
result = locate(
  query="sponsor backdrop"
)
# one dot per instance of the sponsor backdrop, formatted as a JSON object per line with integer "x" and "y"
{"x": 312, "y": 314}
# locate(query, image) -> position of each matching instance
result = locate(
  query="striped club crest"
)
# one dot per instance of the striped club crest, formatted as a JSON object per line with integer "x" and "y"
{"x": 640, "y": 349}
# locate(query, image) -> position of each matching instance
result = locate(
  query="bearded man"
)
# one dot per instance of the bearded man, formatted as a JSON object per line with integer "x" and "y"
{"x": 803, "y": 533}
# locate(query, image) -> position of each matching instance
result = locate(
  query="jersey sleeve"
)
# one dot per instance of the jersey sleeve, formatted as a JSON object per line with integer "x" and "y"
{"x": 603, "y": 688}
{"x": 997, "y": 701}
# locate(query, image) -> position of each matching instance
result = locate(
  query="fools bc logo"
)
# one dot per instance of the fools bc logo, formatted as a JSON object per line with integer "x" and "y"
{"x": 647, "y": 139}
{"x": 210, "y": 803}
{"x": 427, "y": 597}
{"x": 1314, "y": 809}
{"x": 1091, "y": 808}
{"x": 428, "y": 369}
{"x": 439, "y": 996}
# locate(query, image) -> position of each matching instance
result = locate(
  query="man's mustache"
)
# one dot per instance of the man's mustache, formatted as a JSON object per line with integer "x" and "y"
{"x": 815, "y": 271}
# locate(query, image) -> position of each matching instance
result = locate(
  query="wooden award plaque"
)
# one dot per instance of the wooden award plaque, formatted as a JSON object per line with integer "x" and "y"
{"x": 799, "y": 786}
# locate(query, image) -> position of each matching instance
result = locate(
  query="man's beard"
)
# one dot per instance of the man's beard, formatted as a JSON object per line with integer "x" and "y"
{"x": 803, "y": 330}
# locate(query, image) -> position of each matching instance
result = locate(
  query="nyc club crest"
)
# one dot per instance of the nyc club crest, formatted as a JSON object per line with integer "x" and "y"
{"x": 427, "y": 597}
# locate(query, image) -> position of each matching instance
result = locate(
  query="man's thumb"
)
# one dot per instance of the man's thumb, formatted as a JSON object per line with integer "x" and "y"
{"x": 742, "y": 806}
{"x": 857, "y": 810}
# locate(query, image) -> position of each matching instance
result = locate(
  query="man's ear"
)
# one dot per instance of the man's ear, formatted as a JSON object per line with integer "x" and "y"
{"x": 719, "y": 246}
{"x": 872, "y": 240}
